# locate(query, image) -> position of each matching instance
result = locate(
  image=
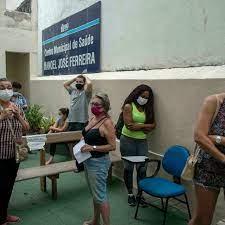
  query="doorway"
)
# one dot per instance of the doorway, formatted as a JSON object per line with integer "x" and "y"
{"x": 18, "y": 69}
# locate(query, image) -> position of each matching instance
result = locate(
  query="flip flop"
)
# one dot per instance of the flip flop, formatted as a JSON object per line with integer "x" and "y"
{"x": 13, "y": 219}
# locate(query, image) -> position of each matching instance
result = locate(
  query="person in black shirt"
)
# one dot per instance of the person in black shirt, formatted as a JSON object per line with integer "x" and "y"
{"x": 100, "y": 139}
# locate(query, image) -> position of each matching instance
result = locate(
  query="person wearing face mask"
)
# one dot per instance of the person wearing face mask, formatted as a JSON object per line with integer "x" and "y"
{"x": 12, "y": 124}
{"x": 138, "y": 116}
{"x": 80, "y": 91}
{"x": 17, "y": 97}
{"x": 61, "y": 125}
{"x": 99, "y": 136}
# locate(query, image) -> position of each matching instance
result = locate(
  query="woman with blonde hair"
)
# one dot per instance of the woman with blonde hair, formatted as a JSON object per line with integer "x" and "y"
{"x": 100, "y": 139}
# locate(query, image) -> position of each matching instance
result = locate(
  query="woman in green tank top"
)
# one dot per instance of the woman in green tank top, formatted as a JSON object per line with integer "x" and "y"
{"x": 138, "y": 116}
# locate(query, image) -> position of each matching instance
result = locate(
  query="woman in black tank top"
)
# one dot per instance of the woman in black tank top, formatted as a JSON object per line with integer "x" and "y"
{"x": 99, "y": 136}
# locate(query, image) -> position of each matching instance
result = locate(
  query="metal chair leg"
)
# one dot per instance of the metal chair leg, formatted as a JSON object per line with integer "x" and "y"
{"x": 138, "y": 203}
{"x": 188, "y": 208}
{"x": 165, "y": 211}
{"x": 162, "y": 203}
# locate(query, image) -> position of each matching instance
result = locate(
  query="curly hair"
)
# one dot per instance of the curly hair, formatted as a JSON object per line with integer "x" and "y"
{"x": 148, "y": 107}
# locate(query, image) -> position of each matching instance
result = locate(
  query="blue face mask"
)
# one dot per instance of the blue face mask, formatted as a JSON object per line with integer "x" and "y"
{"x": 6, "y": 94}
{"x": 59, "y": 117}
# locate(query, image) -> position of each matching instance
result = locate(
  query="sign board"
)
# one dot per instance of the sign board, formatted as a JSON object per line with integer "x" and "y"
{"x": 73, "y": 44}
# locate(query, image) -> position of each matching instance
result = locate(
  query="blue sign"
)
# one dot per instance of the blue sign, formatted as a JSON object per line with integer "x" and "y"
{"x": 73, "y": 44}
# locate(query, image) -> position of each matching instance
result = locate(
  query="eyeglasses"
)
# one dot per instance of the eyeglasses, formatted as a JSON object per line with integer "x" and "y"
{"x": 96, "y": 104}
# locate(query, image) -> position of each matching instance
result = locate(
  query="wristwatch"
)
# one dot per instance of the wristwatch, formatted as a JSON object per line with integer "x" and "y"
{"x": 94, "y": 147}
{"x": 218, "y": 139}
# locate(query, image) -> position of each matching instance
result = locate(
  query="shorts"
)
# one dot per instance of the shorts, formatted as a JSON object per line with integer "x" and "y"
{"x": 208, "y": 179}
{"x": 133, "y": 147}
{"x": 96, "y": 173}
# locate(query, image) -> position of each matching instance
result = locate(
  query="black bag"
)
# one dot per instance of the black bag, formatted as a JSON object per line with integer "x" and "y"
{"x": 119, "y": 125}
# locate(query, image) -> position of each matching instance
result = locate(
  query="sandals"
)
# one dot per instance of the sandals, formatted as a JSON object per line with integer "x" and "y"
{"x": 88, "y": 222}
{"x": 12, "y": 219}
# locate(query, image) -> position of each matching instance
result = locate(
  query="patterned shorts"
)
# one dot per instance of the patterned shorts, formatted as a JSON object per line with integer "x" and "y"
{"x": 96, "y": 172}
{"x": 208, "y": 179}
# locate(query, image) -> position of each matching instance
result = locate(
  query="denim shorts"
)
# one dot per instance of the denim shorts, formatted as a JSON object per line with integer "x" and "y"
{"x": 133, "y": 147}
{"x": 96, "y": 173}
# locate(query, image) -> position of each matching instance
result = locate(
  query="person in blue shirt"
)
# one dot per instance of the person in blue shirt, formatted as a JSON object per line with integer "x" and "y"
{"x": 17, "y": 97}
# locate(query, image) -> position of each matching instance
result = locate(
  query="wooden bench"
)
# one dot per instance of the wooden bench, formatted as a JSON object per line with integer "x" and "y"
{"x": 52, "y": 171}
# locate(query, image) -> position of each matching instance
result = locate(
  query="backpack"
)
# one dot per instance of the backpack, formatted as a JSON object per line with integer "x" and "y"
{"x": 119, "y": 125}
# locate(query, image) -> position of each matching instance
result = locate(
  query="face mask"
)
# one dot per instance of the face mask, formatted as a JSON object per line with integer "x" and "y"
{"x": 6, "y": 94}
{"x": 79, "y": 86}
{"x": 142, "y": 101}
{"x": 96, "y": 110}
{"x": 59, "y": 117}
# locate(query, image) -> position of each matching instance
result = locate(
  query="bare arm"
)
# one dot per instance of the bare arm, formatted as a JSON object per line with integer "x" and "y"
{"x": 88, "y": 85}
{"x": 20, "y": 116}
{"x": 61, "y": 129}
{"x": 107, "y": 129}
{"x": 128, "y": 120}
{"x": 203, "y": 124}
{"x": 129, "y": 123}
{"x": 213, "y": 139}
{"x": 149, "y": 127}
{"x": 68, "y": 83}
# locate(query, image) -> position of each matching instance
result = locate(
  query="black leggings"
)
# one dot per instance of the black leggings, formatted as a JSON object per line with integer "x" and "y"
{"x": 133, "y": 147}
{"x": 75, "y": 126}
{"x": 52, "y": 148}
{"x": 8, "y": 172}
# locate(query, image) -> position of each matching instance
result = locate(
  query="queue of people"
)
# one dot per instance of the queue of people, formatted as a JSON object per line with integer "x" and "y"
{"x": 99, "y": 135}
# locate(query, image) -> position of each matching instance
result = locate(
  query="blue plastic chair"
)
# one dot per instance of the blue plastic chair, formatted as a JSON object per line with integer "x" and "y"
{"x": 173, "y": 163}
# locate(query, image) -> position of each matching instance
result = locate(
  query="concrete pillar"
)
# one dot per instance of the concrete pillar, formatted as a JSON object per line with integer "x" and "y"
{"x": 33, "y": 65}
{"x": 2, "y": 6}
{"x": 2, "y": 64}
{"x": 34, "y": 14}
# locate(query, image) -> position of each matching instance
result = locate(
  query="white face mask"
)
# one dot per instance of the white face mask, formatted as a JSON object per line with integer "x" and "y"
{"x": 59, "y": 117}
{"x": 6, "y": 94}
{"x": 142, "y": 101}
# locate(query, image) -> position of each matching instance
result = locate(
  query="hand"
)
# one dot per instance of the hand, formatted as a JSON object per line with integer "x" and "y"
{"x": 51, "y": 128}
{"x": 6, "y": 113}
{"x": 15, "y": 111}
{"x": 130, "y": 126}
{"x": 86, "y": 148}
{"x": 134, "y": 127}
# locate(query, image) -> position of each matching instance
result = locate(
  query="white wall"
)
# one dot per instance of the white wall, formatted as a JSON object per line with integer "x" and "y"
{"x": 18, "y": 34}
{"x": 13, "y": 4}
{"x": 142, "y": 34}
